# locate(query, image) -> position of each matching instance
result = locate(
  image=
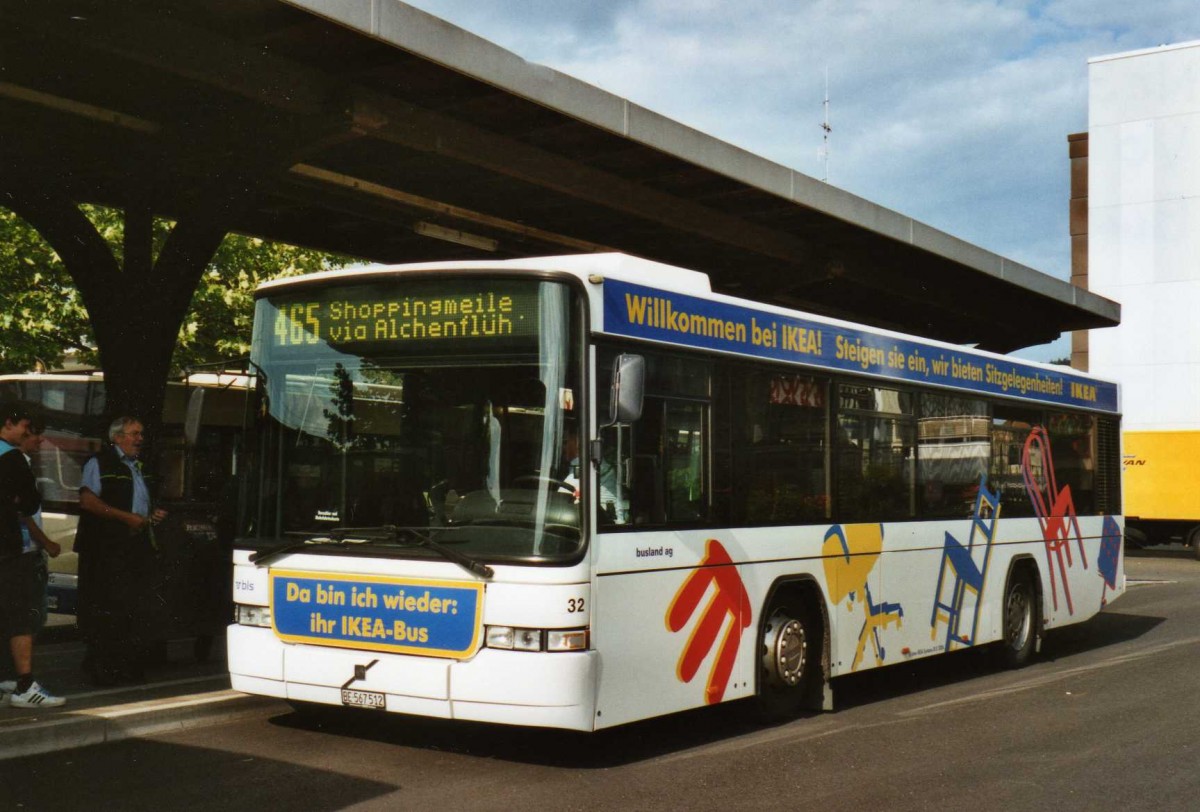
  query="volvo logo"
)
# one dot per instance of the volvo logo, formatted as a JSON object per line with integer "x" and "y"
{"x": 360, "y": 673}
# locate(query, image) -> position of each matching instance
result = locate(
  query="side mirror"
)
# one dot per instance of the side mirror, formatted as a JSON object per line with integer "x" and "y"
{"x": 191, "y": 419}
{"x": 628, "y": 383}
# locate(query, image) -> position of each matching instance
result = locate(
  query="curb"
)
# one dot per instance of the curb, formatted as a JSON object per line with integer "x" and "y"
{"x": 71, "y": 729}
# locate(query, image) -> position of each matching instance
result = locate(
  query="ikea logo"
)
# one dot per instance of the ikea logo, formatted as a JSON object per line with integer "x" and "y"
{"x": 1083, "y": 391}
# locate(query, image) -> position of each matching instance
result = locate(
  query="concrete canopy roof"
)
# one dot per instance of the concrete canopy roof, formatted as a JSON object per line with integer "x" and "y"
{"x": 389, "y": 134}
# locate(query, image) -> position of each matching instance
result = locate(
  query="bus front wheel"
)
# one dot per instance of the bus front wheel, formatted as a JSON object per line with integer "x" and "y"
{"x": 1020, "y": 619}
{"x": 791, "y": 660}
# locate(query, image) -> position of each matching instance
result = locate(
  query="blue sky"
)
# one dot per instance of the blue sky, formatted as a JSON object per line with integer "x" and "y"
{"x": 954, "y": 112}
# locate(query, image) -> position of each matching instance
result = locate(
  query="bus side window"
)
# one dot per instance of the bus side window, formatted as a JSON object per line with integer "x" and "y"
{"x": 684, "y": 459}
{"x": 670, "y": 466}
{"x": 875, "y": 445}
{"x": 1011, "y": 427}
{"x": 1073, "y": 443}
{"x": 781, "y": 425}
{"x": 954, "y": 450}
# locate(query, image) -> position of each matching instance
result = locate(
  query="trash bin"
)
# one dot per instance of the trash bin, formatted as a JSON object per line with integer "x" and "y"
{"x": 190, "y": 592}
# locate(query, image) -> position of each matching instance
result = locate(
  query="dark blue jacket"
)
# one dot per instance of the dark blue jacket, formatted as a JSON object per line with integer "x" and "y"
{"x": 18, "y": 498}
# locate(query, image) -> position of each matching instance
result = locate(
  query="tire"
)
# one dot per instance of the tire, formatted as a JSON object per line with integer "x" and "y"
{"x": 1135, "y": 539}
{"x": 1193, "y": 539}
{"x": 1020, "y": 620}
{"x": 790, "y": 660}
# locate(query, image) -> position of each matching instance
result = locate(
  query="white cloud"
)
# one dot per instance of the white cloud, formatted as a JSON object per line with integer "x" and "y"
{"x": 955, "y": 112}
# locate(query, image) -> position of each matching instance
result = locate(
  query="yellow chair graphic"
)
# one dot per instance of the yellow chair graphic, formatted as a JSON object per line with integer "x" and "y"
{"x": 850, "y": 553}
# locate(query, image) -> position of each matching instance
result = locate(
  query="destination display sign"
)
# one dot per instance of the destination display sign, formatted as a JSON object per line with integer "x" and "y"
{"x": 428, "y": 314}
{"x": 408, "y": 616}
{"x": 641, "y": 312}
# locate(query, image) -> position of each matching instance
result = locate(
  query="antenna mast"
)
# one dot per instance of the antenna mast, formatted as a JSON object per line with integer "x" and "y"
{"x": 824, "y": 151}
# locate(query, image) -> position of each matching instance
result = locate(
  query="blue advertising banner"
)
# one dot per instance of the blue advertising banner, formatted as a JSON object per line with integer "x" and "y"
{"x": 433, "y": 618}
{"x": 642, "y": 312}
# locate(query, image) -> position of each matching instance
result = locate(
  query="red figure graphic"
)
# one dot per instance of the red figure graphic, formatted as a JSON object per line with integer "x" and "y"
{"x": 793, "y": 390}
{"x": 1055, "y": 510}
{"x": 729, "y": 601}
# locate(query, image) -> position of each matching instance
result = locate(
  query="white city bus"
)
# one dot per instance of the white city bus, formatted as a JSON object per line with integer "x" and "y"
{"x": 579, "y": 491}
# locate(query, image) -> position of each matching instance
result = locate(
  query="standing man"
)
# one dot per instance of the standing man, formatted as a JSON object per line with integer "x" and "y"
{"x": 18, "y": 610}
{"x": 39, "y": 546}
{"x": 36, "y": 540}
{"x": 115, "y": 542}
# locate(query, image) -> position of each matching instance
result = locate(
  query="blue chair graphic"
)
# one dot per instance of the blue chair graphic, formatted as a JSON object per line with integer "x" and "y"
{"x": 968, "y": 574}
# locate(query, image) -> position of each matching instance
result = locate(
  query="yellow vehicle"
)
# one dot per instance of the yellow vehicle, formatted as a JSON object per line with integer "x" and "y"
{"x": 1162, "y": 501}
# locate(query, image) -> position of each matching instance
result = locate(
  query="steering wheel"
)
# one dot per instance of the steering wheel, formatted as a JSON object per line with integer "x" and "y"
{"x": 549, "y": 480}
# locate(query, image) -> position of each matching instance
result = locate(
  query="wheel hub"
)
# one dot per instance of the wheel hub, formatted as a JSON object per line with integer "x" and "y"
{"x": 1019, "y": 618}
{"x": 785, "y": 651}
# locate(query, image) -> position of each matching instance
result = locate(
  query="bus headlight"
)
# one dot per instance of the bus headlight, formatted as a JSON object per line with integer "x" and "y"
{"x": 253, "y": 615}
{"x": 516, "y": 639}
{"x": 566, "y": 640}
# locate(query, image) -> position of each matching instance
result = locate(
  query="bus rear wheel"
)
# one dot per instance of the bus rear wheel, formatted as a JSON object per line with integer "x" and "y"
{"x": 1193, "y": 540}
{"x": 790, "y": 663}
{"x": 1020, "y": 620}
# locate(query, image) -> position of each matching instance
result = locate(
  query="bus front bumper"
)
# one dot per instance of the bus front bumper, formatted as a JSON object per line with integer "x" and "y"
{"x": 537, "y": 689}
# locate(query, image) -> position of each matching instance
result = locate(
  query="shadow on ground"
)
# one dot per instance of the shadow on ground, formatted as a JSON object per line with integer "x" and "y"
{"x": 143, "y": 774}
{"x": 656, "y": 737}
{"x": 1161, "y": 551}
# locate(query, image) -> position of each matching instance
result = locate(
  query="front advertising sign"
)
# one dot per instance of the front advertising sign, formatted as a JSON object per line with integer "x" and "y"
{"x": 407, "y": 616}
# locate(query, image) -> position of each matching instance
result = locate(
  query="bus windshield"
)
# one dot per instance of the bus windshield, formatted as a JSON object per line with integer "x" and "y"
{"x": 445, "y": 406}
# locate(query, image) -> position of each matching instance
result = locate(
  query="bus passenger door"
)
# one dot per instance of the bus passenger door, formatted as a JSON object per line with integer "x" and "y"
{"x": 661, "y": 620}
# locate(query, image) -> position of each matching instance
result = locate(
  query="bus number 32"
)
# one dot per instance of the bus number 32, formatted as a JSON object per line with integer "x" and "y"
{"x": 574, "y": 605}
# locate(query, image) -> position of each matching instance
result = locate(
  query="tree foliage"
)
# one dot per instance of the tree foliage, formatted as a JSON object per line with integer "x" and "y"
{"x": 218, "y": 323}
{"x": 42, "y": 315}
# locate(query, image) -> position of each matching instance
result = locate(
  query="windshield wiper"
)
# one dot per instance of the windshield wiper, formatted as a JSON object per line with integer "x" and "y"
{"x": 264, "y": 555}
{"x": 462, "y": 559}
{"x": 336, "y": 536}
{"x": 339, "y": 536}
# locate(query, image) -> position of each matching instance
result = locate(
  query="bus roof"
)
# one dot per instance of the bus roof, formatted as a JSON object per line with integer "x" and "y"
{"x": 681, "y": 309}
{"x": 581, "y": 265}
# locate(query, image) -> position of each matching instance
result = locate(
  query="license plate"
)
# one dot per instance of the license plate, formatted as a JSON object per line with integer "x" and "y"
{"x": 363, "y": 699}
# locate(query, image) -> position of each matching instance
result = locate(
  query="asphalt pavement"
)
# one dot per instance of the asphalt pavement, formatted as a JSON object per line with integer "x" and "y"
{"x": 182, "y": 693}
{"x": 179, "y": 692}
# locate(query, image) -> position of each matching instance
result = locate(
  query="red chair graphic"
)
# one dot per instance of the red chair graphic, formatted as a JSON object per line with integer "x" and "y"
{"x": 1055, "y": 510}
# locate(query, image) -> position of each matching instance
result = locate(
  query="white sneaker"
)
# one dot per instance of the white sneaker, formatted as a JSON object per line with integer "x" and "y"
{"x": 7, "y": 688}
{"x": 36, "y": 697}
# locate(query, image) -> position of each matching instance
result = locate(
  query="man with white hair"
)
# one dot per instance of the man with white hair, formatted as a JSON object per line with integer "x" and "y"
{"x": 115, "y": 544}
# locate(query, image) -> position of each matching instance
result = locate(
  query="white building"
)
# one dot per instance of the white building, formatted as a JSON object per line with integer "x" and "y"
{"x": 1143, "y": 250}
